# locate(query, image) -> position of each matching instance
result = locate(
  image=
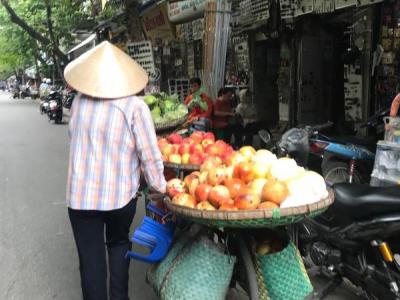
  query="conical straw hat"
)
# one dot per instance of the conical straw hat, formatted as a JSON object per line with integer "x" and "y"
{"x": 106, "y": 72}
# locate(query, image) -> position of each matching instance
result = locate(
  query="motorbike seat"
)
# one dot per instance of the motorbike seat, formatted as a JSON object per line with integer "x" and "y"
{"x": 360, "y": 202}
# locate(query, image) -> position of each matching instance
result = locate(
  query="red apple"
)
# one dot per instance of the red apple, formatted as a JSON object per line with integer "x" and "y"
{"x": 205, "y": 205}
{"x": 196, "y": 148}
{"x": 267, "y": 205}
{"x": 248, "y": 152}
{"x": 202, "y": 192}
{"x": 175, "y": 186}
{"x": 244, "y": 171}
{"x": 275, "y": 191}
{"x": 246, "y": 199}
{"x": 192, "y": 176}
{"x": 195, "y": 159}
{"x": 187, "y": 140}
{"x": 184, "y": 148}
{"x": 162, "y": 143}
{"x": 210, "y": 163}
{"x": 197, "y": 136}
{"x": 219, "y": 194}
{"x": 228, "y": 206}
{"x": 192, "y": 187}
{"x": 175, "y": 158}
{"x": 213, "y": 149}
{"x": 234, "y": 159}
{"x": 206, "y": 142}
{"x": 234, "y": 186}
{"x": 175, "y": 138}
{"x": 216, "y": 176}
{"x": 167, "y": 150}
{"x": 184, "y": 200}
{"x": 209, "y": 135}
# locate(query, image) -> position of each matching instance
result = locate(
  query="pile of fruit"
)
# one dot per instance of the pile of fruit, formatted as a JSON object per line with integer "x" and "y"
{"x": 165, "y": 108}
{"x": 247, "y": 180}
{"x": 194, "y": 149}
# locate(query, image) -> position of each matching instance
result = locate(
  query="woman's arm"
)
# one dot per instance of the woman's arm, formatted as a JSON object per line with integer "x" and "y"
{"x": 395, "y": 106}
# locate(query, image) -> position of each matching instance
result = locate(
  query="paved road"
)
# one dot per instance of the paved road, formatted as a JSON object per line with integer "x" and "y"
{"x": 37, "y": 253}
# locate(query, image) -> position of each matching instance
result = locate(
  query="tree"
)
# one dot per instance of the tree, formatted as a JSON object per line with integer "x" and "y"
{"x": 46, "y": 23}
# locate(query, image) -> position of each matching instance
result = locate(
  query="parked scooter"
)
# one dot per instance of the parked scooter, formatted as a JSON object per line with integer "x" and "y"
{"x": 68, "y": 99}
{"x": 356, "y": 238}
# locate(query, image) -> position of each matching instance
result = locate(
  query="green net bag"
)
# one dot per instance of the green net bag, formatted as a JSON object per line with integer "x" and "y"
{"x": 200, "y": 271}
{"x": 284, "y": 276}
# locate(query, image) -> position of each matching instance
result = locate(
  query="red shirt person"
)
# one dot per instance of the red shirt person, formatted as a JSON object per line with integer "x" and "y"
{"x": 198, "y": 103}
{"x": 223, "y": 108}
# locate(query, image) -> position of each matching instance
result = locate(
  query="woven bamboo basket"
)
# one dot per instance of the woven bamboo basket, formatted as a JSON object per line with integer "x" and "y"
{"x": 182, "y": 167}
{"x": 252, "y": 218}
{"x": 170, "y": 125}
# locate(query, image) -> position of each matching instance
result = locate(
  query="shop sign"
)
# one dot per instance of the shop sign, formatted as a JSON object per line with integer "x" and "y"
{"x": 142, "y": 53}
{"x": 187, "y": 10}
{"x": 157, "y": 27}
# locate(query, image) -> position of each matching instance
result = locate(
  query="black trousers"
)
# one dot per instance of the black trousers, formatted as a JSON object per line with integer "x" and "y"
{"x": 94, "y": 231}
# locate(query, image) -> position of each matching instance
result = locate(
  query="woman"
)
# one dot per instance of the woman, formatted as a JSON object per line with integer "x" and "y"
{"x": 198, "y": 103}
{"x": 223, "y": 119}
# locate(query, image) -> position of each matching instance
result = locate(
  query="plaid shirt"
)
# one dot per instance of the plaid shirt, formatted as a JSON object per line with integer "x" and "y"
{"x": 111, "y": 141}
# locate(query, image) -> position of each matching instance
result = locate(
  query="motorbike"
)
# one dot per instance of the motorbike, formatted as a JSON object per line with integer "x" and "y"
{"x": 54, "y": 109}
{"x": 15, "y": 93}
{"x": 356, "y": 238}
{"x": 68, "y": 99}
{"x": 34, "y": 93}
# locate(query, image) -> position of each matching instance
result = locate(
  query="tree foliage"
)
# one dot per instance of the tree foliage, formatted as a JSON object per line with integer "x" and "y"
{"x": 39, "y": 29}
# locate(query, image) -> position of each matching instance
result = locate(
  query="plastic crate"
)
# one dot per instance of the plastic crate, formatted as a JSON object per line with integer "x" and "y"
{"x": 387, "y": 162}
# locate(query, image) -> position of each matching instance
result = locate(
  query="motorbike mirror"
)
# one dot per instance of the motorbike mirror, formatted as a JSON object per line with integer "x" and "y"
{"x": 264, "y": 136}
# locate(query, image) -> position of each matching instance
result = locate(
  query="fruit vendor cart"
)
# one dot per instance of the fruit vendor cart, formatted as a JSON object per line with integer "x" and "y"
{"x": 231, "y": 221}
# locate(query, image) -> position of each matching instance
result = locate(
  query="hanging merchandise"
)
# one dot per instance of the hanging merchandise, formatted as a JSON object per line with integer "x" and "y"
{"x": 142, "y": 53}
{"x": 353, "y": 92}
{"x": 217, "y": 24}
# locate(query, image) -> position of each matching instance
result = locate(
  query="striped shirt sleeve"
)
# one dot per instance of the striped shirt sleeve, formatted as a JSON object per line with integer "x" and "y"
{"x": 147, "y": 148}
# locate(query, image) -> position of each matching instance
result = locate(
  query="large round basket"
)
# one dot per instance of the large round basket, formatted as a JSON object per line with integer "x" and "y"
{"x": 170, "y": 125}
{"x": 182, "y": 167}
{"x": 252, "y": 218}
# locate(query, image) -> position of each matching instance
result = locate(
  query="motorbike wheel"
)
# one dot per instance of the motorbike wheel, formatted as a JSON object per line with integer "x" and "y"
{"x": 339, "y": 172}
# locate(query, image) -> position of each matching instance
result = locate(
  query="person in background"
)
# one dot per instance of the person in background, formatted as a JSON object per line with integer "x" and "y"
{"x": 249, "y": 119}
{"x": 198, "y": 103}
{"x": 395, "y": 106}
{"x": 112, "y": 138}
{"x": 223, "y": 115}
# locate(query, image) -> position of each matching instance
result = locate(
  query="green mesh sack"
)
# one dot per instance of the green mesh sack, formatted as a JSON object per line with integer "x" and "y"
{"x": 284, "y": 275}
{"x": 156, "y": 273}
{"x": 202, "y": 271}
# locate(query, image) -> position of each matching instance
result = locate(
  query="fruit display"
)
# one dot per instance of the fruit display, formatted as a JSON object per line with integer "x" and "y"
{"x": 246, "y": 180}
{"x": 165, "y": 108}
{"x": 197, "y": 149}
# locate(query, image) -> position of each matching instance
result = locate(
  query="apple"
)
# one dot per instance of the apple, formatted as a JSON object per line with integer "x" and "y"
{"x": 184, "y": 200}
{"x": 202, "y": 192}
{"x": 248, "y": 152}
{"x": 228, "y": 206}
{"x": 175, "y": 148}
{"x": 234, "y": 159}
{"x": 175, "y": 138}
{"x": 167, "y": 150}
{"x": 265, "y": 156}
{"x": 275, "y": 191}
{"x": 210, "y": 136}
{"x": 267, "y": 205}
{"x": 263, "y": 248}
{"x": 175, "y": 186}
{"x": 229, "y": 171}
{"x": 257, "y": 186}
{"x": 162, "y": 143}
{"x": 246, "y": 199}
{"x": 213, "y": 150}
{"x": 185, "y": 158}
{"x": 210, "y": 162}
{"x": 175, "y": 159}
{"x": 192, "y": 176}
{"x": 216, "y": 176}
{"x": 244, "y": 171}
{"x": 195, "y": 159}
{"x": 203, "y": 177}
{"x": 187, "y": 140}
{"x": 196, "y": 148}
{"x": 219, "y": 194}
{"x": 260, "y": 169}
{"x": 205, "y": 205}
{"x": 192, "y": 187}
{"x": 184, "y": 148}
{"x": 234, "y": 185}
{"x": 197, "y": 136}
{"x": 207, "y": 142}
